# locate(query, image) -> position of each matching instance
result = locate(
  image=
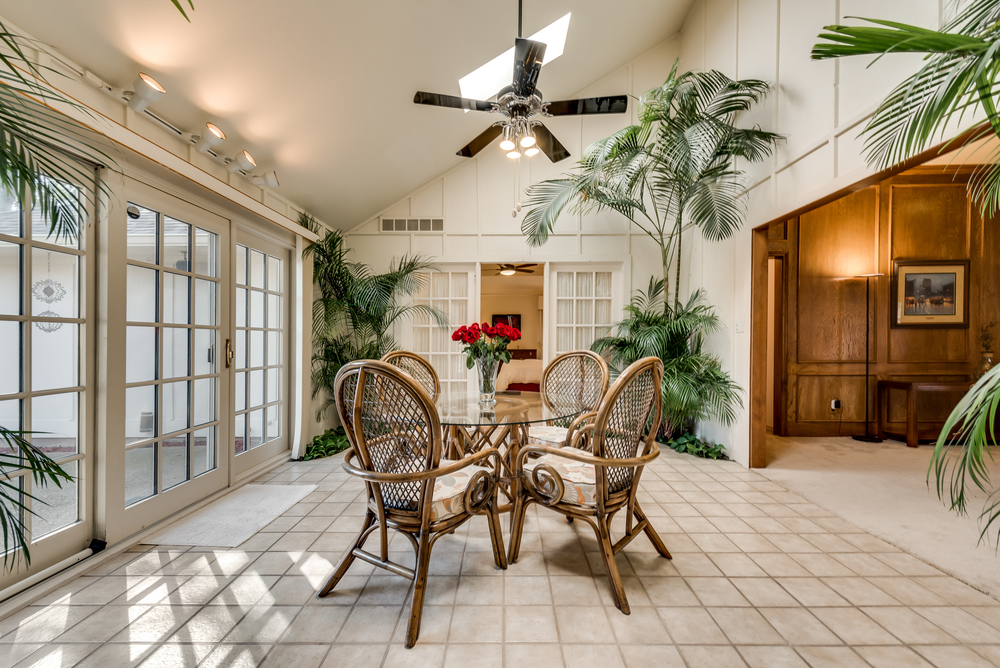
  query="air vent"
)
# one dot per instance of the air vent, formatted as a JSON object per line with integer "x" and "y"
{"x": 413, "y": 225}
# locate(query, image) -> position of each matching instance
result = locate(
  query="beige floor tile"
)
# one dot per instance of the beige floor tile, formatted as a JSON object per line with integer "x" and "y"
{"x": 210, "y": 624}
{"x": 56, "y": 655}
{"x": 473, "y": 590}
{"x": 764, "y": 592}
{"x": 955, "y": 592}
{"x": 235, "y": 656}
{"x": 45, "y": 625}
{"x": 103, "y": 624}
{"x": 14, "y": 652}
{"x": 651, "y": 656}
{"x": 790, "y": 543}
{"x": 717, "y": 592}
{"x": 570, "y": 590}
{"x": 642, "y": 627}
{"x": 771, "y": 657}
{"x": 864, "y": 564}
{"x": 799, "y": 627}
{"x": 752, "y": 542}
{"x": 369, "y": 624}
{"x": 907, "y": 564}
{"x": 174, "y": 655}
{"x": 953, "y": 656}
{"x": 695, "y": 565}
{"x": 737, "y": 565}
{"x": 691, "y": 626}
{"x": 717, "y": 657}
{"x": 584, "y": 624}
{"x": 854, "y": 627}
{"x": 990, "y": 652}
{"x": 244, "y": 590}
{"x": 476, "y": 624}
{"x": 530, "y": 624}
{"x": 779, "y": 565}
{"x": 435, "y": 624}
{"x": 520, "y": 656}
{"x": 669, "y": 592}
{"x": 961, "y": 625}
{"x": 714, "y": 542}
{"x": 892, "y": 657}
{"x": 423, "y": 655}
{"x": 529, "y": 590}
{"x": 745, "y": 626}
{"x": 908, "y": 626}
{"x": 822, "y": 565}
{"x": 593, "y": 656}
{"x": 832, "y": 657}
{"x": 316, "y": 625}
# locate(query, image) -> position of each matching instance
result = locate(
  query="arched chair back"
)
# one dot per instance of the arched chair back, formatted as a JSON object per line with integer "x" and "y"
{"x": 574, "y": 378}
{"x": 418, "y": 368}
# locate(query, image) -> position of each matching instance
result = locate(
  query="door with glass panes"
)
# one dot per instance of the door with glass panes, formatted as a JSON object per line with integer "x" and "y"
{"x": 259, "y": 352}
{"x": 176, "y": 396}
{"x": 46, "y": 320}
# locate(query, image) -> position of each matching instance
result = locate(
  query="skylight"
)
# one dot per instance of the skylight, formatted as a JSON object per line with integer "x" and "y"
{"x": 484, "y": 82}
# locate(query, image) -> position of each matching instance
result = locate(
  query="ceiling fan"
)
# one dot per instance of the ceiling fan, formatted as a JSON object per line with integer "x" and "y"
{"x": 508, "y": 269}
{"x": 519, "y": 104}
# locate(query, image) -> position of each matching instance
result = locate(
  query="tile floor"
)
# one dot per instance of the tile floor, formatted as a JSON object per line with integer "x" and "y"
{"x": 760, "y": 578}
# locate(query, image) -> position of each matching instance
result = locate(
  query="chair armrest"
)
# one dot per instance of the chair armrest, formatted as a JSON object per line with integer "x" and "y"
{"x": 372, "y": 476}
{"x": 578, "y": 424}
{"x": 585, "y": 457}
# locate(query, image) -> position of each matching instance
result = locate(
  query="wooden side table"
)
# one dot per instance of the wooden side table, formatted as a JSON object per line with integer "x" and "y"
{"x": 912, "y": 388}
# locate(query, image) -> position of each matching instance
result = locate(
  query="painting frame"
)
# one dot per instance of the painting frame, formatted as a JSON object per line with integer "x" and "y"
{"x": 512, "y": 319}
{"x": 904, "y": 306}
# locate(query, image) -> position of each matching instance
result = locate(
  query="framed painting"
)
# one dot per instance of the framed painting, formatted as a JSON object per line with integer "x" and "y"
{"x": 509, "y": 319}
{"x": 930, "y": 293}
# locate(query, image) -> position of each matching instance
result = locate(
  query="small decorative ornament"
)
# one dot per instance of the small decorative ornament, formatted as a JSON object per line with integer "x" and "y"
{"x": 48, "y": 327}
{"x": 48, "y": 291}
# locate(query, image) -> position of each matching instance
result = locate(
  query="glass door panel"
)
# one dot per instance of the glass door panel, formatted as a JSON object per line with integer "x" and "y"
{"x": 174, "y": 390}
{"x": 260, "y": 357}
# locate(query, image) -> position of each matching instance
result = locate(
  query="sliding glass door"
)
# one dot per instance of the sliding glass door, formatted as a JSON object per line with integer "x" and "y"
{"x": 176, "y": 393}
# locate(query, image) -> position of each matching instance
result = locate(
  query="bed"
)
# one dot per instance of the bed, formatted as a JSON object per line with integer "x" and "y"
{"x": 523, "y": 374}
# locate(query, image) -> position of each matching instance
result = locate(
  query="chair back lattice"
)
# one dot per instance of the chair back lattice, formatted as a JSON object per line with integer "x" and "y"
{"x": 574, "y": 378}
{"x": 628, "y": 420}
{"x": 393, "y": 426}
{"x": 418, "y": 368}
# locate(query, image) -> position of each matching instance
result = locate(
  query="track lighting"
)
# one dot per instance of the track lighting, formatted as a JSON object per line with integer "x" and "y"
{"x": 244, "y": 161}
{"x": 269, "y": 179}
{"x": 146, "y": 90}
{"x": 507, "y": 143}
{"x": 212, "y": 137}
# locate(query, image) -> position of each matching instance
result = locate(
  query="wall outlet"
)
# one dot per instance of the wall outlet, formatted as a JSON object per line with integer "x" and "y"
{"x": 834, "y": 405}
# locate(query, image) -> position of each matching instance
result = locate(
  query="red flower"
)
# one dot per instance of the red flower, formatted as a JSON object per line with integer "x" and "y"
{"x": 489, "y": 331}
{"x": 459, "y": 333}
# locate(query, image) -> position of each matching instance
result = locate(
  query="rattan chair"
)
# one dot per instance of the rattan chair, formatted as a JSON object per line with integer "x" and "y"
{"x": 418, "y": 368}
{"x": 395, "y": 435}
{"x": 595, "y": 486}
{"x": 576, "y": 377}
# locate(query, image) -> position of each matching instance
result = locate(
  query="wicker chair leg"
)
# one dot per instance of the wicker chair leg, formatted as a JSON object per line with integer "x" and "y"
{"x": 349, "y": 557}
{"x": 496, "y": 536}
{"x": 419, "y": 589}
{"x": 516, "y": 527}
{"x": 654, "y": 537}
{"x": 603, "y": 530}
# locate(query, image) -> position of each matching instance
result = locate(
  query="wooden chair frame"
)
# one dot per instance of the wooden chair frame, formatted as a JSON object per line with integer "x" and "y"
{"x": 416, "y": 524}
{"x": 543, "y": 484}
{"x": 395, "y": 357}
{"x": 568, "y": 358}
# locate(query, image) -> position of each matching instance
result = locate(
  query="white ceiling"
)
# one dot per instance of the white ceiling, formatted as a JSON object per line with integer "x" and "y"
{"x": 322, "y": 91}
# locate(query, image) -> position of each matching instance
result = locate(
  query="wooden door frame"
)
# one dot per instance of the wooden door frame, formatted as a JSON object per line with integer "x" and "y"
{"x": 778, "y": 363}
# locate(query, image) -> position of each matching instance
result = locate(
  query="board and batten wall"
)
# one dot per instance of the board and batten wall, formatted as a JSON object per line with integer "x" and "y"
{"x": 820, "y": 106}
{"x": 923, "y": 214}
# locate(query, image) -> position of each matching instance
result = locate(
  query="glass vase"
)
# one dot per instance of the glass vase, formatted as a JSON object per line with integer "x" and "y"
{"x": 486, "y": 370}
{"x": 985, "y": 364}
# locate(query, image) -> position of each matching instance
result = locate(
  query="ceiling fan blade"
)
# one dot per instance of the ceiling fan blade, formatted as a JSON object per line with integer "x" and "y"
{"x": 522, "y": 266}
{"x": 549, "y": 144}
{"x": 614, "y": 104}
{"x": 439, "y": 100}
{"x": 528, "y": 56}
{"x": 525, "y": 271}
{"x": 485, "y": 138}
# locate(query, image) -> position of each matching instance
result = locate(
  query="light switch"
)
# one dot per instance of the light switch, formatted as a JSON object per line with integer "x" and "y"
{"x": 739, "y": 326}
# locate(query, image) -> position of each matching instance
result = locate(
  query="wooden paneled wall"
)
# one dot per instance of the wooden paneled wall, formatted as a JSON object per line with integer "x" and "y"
{"x": 923, "y": 214}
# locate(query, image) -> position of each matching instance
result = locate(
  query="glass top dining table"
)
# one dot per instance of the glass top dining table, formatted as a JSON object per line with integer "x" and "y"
{"x": 462, "y": 409}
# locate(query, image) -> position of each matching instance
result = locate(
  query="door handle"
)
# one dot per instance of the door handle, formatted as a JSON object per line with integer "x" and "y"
{"x": 229, "y": 353}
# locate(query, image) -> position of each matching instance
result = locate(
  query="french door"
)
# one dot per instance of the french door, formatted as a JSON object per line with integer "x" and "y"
{"x": 177, "y": 313}
{"x": 452, "y": 291}
{"x": 46, "y": 320}
{"x": 259, "y": 352}
{"x": 586, "y": 300}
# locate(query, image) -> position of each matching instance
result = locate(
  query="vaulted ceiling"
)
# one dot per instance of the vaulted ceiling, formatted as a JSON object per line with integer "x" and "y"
{"x": 321, "y": 91}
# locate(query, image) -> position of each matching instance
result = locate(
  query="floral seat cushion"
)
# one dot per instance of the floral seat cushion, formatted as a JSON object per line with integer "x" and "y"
{"x": 449, "y": 491}
{"x": 579, "y": 479}
{"x": 546, "y": 435}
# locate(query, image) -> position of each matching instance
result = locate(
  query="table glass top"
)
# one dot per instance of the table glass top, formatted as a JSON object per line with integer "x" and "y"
{"x": 462, "y": 409}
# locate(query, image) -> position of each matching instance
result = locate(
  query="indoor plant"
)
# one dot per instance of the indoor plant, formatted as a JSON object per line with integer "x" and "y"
{"x": 356, "y": 309}
{"x": 675, "y": 170}
{"x": 959, "y": 76}
{"x": 486, "y": 355}
{"x": 695, "y": 387}
{"x": 986, "y": 341}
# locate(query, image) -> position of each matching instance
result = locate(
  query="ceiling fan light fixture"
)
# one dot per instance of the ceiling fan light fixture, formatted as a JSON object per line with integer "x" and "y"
{"x": 531, "y": 151}
{"x": 507, "y": 143}
{"x": 528, "y": 140}
{"x": 507, "y": 272}
{"x": 513, "y": 155}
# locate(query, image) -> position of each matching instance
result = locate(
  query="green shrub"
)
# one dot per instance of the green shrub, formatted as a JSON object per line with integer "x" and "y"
{"x": 692, "y": 445}
{"x": 328, "y": 443}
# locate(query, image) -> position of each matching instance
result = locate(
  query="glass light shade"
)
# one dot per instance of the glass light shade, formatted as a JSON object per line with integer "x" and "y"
{"x": 508, "y": 145}
{"x": 533, "y": 150}
{"x": 152, "y": 83}
{"x": 214, "y": 129}
{"x": 514, "y": 154}
{"x": 507, "y": 272}
{"x": 527, "y": 140}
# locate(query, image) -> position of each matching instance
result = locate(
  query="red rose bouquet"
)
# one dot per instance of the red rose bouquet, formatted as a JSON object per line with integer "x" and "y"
{"x": 486, "y": 343}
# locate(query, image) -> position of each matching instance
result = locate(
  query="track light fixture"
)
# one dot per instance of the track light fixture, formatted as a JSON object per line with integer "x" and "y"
{"x": 213, "y": 136}
{"x": 146, "y": 89}
{"x": 269, "y": 179}
{"x": 244, "y": 161}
